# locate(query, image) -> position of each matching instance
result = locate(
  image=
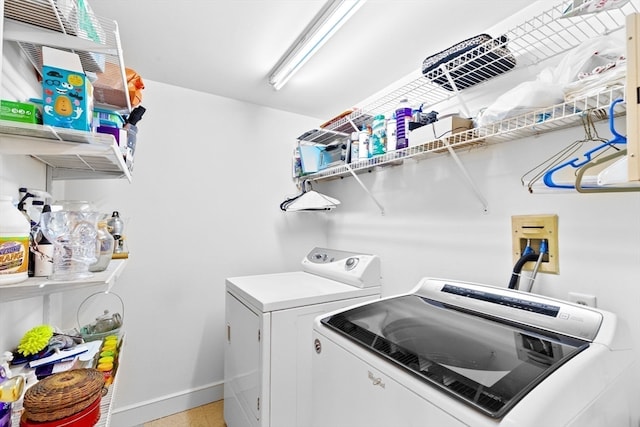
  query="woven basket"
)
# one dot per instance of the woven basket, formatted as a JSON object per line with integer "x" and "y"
{"x": 63, "y": 394}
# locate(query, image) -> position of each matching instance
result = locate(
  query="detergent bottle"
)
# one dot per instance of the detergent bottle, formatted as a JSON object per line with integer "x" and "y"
{"x": 15, "y": 232}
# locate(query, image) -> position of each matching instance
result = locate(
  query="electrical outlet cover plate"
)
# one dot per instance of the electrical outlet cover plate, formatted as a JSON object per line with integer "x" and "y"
{"x": 582, "y": 299}
{"x": 534, "y": 228}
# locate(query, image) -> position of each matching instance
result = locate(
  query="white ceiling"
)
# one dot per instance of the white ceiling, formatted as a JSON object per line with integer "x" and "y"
{"x": 228, "y": 47}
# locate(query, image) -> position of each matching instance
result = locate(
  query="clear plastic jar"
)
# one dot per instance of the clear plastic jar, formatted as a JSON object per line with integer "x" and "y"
{"x": 73, "y": 234}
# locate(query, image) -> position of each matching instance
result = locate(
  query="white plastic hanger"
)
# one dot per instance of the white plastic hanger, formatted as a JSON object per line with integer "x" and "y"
{"x": 312, "y": 201}
{"x": 616, "y": 173}
{"x": 309, "y": 200}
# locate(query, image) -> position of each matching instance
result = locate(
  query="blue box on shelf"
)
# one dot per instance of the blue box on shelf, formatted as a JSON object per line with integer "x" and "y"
{"x": 314, "y": 158}
{"x": 67, "y": 94}
{"x": 108, "y": 117}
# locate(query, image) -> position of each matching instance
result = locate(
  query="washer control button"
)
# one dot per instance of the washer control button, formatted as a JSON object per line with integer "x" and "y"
{"x": 320, "y": 257}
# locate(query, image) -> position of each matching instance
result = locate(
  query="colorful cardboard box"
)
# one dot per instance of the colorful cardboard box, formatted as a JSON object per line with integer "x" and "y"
{"x": 19, "y": 112}
{"x": 67, "y": 94}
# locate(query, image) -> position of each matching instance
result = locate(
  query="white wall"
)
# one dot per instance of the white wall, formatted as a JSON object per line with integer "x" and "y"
{"x": 209, "y": 176}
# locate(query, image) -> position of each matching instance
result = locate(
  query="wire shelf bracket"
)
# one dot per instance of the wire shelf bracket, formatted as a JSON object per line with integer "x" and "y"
{"x": 462, "y": 105}
{"x": 364, "y": 187}
{"x": 465, "y": 174}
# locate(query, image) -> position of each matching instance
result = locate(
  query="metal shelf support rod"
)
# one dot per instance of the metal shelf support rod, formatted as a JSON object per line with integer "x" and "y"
{"x": 472, "y": 184}
{"x": 463, "y": 105}
{"x": 46, "y": 309}
{"x": 364, "y": 187}
{"x": 353, "y": 125}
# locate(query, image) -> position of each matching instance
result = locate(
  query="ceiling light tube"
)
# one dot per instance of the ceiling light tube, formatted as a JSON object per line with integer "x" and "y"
{"x": 332, "y": 16}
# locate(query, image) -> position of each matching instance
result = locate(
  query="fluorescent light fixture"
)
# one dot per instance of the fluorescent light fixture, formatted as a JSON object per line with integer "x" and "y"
{"x": 332, "y": 16}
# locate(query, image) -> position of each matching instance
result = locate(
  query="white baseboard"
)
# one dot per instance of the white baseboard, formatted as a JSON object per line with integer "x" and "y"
{"x": 138, "y": 414}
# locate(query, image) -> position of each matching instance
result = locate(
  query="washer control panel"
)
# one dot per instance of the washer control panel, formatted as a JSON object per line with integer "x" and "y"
{"x": 361, "y": 270}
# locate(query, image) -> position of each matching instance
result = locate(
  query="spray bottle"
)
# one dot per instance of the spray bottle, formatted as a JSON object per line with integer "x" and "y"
{"x": 28, "y": 193}
{"x": 32, "y": 215}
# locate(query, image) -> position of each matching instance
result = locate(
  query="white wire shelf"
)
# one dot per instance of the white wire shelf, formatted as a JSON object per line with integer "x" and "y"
{"x": 544, "y": 120}
{"x": 62, "y": 25}
{"x": 72, "y": 154}
{"x": 540, "y": 38}
{"x": 40, "y": 286}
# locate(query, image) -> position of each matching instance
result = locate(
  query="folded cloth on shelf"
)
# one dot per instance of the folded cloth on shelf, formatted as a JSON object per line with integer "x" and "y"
{"x": 595, "y": 65}
{"x": 583, "y": 7}
{"x": 596, "y": 83}
{"x": 526, "y": 97}
{"x": 470, "y": 62}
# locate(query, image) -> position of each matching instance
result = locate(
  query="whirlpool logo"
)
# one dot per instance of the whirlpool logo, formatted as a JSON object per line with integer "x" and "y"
{"x": 376, "y": 380}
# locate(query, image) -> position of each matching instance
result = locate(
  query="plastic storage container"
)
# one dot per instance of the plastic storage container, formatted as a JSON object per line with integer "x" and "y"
{"x": 14, "y": 243}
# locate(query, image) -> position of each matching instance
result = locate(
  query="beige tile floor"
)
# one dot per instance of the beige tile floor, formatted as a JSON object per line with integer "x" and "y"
{"x": 209, "y": 415}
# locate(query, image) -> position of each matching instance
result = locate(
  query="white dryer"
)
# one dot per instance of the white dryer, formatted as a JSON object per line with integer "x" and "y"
{"x": 452, "y": 354}
{"x": 267, "y": 364}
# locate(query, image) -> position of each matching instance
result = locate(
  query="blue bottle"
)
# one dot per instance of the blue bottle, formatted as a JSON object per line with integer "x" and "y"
{"x": 378, "y": 141}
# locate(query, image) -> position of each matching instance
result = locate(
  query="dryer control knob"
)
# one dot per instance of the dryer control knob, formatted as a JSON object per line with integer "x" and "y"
{"x": 351, "y": 263}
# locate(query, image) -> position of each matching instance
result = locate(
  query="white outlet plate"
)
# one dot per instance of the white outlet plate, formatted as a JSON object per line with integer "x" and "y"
{"x": 582, "y": 299}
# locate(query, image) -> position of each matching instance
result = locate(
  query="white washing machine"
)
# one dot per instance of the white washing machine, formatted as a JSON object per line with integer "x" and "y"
{"x": 453, "y": 354}
{"x": 267, "y": 364}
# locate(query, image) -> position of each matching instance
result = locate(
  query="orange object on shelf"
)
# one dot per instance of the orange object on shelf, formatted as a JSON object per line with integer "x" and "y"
{"x": 336, "y": 118}
{"x": 135, "y": 86}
